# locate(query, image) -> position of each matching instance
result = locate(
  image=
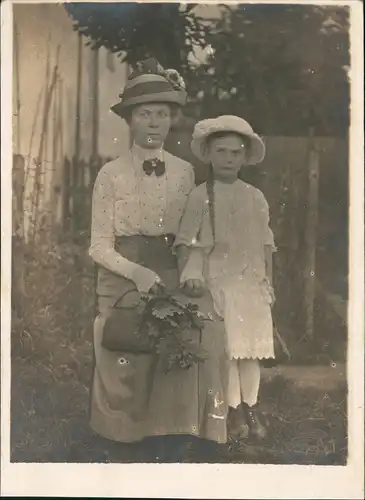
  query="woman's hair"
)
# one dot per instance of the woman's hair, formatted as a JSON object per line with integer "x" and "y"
{"x": 210, "y": 177}
{"x": 174, "y": 108}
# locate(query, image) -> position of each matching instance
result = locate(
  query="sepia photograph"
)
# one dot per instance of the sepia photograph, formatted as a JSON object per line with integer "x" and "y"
{"x": 180, "y": 233}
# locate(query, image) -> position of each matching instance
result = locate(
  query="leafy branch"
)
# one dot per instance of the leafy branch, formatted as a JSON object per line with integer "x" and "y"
{"x": 174, "y": 329}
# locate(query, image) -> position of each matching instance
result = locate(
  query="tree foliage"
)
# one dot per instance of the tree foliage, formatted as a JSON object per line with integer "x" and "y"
{"x": 136, "y": 31}
{"x": 282, "y": 67}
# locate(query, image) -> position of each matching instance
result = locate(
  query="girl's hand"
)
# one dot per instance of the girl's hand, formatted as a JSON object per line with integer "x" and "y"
{"x": 193, "y": 288}
{"x": 273, "y": 299}
{"x": 272, "y": 296}
{"x": 269, "y": 292}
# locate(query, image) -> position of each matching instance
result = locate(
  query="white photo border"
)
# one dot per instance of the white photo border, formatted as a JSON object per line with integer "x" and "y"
{"x": 203, "y": 480}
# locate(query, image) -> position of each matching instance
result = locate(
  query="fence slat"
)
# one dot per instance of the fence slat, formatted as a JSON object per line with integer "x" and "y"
{"x": 311, "y": 237}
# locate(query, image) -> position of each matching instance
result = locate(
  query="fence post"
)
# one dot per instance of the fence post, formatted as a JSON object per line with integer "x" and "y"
{"x": 311, "y": 238}
{"x": 17, "y": 261}
{"x": 66, "y": 194}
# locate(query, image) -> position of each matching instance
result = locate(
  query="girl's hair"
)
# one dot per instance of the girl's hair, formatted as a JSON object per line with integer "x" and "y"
{"x": 218, "y": 135}
{"x": 210, "y": 177}
{"x": 210, "y": 193}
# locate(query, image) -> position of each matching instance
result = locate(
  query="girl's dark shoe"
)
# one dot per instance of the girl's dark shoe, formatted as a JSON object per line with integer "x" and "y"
{"x": 238, "y": 428}
{"x": 257, "y": 429}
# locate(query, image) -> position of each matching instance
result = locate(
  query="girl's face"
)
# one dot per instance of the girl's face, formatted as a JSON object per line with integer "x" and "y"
{"x": 150, "y": 124}
{"x": 227, "y": 154}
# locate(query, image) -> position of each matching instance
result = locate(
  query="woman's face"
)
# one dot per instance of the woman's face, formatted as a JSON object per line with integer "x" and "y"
{"x": 227, "y": 154}
{"x": 150, "y": 124}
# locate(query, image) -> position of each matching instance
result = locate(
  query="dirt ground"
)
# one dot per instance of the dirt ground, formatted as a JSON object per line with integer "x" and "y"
{"x": 307, "y": 421}
{"x": 304, "y": 406}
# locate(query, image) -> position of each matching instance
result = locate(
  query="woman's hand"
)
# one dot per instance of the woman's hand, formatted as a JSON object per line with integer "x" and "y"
{"x": 157, "y": 288}
{"x": 193, "y": 288}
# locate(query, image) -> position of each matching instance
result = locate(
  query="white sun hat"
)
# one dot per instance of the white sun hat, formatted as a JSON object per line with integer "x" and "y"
{"x": 226, "y": 123}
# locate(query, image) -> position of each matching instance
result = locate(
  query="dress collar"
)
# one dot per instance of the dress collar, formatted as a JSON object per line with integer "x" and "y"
{"x": 141, "y": 154}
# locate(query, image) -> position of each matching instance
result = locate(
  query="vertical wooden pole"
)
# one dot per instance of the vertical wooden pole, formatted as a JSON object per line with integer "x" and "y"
{"x": 34, "y": 126}
{"x": 78, "y": 98}
{"x": 311, "y": 238}
{"x": 66, "y": 195}
{"x": 60, "y": 118}
{"x": 76, "y": 157}
{"x": 55, "y": 156}
{"x": 60, "y": 215}
{"x": 127, "y": 73}
{"x": 17, "y": 83}
{"x": 17, "y": 262}
{"x": 95, "y": 102}
{"x": 38, "y": 160}
{"x": 39, "y": 172}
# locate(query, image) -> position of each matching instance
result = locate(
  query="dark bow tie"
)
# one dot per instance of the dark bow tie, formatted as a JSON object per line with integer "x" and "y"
{"x": 154, "y": 165}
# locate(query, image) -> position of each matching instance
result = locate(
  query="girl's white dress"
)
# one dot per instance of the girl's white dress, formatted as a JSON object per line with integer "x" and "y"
{"x": 234, "y": 268}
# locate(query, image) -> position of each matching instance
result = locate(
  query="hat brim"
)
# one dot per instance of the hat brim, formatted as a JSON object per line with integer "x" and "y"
{"x": 257, "y": 148}
{"x": 177, "y": 97}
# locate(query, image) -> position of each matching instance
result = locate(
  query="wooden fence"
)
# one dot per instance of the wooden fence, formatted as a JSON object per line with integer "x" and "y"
{"x": 305, "y": 183}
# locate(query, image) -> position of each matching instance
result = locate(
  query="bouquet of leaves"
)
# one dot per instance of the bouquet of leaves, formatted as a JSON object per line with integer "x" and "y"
{"x": 174, "y": 329}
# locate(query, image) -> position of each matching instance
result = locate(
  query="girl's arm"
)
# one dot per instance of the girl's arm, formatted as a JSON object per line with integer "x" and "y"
{"x": 268, "y": 250}
{"x": 268, "y": 237}
{"x": 190, "y": 256}
{"x": 191, "y": 268}
{"x": 102, "y": 249}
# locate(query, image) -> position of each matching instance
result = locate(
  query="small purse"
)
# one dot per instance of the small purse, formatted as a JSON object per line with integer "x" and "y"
{"x": 121, "y": 331}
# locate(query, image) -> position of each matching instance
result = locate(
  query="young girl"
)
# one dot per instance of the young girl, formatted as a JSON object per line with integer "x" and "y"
{"x": 225, "y": 227}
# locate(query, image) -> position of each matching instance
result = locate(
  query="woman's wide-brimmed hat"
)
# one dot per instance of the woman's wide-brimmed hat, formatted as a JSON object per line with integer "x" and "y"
{"x": 226, "y": 123}
{"x": 151, "y": 83}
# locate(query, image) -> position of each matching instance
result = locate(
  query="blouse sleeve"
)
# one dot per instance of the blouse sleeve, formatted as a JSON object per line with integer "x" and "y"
{"x": 103, "y": 237}
{"x": 265, "y": 212}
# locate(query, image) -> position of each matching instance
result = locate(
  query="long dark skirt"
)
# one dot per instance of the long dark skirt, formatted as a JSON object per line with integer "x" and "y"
{"x": 132, "y": 397}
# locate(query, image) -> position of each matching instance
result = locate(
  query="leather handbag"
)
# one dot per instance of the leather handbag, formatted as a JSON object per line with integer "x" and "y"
{"x": 121, "y": 331}
{"x": 122, "y": 327}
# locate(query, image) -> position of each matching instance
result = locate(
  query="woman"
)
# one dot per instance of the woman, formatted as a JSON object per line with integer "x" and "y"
{"x": 138, "y": 201}
{"x": 232, "y": 247}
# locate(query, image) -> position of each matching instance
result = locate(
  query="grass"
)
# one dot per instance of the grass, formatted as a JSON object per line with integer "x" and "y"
{"x": 52, "y": 369}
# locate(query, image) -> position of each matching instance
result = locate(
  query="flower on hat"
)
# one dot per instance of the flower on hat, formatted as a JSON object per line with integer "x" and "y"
{"x": 152, "y": 66}
{"x": 174, "y": 78}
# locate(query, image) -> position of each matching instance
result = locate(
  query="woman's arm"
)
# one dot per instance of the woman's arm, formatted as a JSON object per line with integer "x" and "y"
{"x": 102, "y": 249}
